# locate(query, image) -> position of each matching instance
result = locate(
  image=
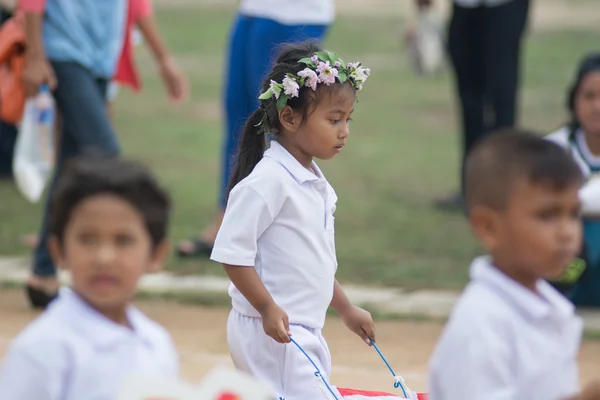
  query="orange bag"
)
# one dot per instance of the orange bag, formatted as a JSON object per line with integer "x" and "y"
{"x": 12, "y": 63}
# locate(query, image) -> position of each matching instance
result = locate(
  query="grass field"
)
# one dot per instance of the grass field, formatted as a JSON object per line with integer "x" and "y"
{"x": 403, "y": 150}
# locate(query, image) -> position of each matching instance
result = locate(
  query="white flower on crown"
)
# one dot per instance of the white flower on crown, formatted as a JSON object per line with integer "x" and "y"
{"x": 358, "y": 73}
{"x": 310, "y": 78}
{"x": 275, "y": 88}
{"x": 290, "y": 87}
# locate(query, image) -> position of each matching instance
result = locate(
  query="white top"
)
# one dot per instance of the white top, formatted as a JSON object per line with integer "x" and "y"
{"x": 503, "y": 342}
{"x": 280, "y": 220}
{"x": 291, "y": 12}
{"x": 581, "y": 153}
{"x": 72, "y": 352}
{"x": 485, "y": 3}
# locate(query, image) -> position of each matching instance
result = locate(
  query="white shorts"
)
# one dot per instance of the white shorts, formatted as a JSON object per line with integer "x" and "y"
{"x": 283, "y": 365}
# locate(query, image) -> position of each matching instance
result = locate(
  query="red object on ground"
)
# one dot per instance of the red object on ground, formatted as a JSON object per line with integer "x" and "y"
{"x": 353, "y": 392}
{"x": 228, "y": 396}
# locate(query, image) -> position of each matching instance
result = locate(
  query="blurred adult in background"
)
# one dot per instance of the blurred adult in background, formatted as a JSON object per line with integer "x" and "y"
{"x": 77, "y": 48}
{"x": 484, "y": 42}
{"x": 8, "y": 132}
{"x": 259, "y": 29}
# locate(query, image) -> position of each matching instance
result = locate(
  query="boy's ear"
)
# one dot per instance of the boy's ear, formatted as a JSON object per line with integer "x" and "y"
{"x": 159, "y": 255}
{"x": 288, "y": 119}
{"x": 55, "y": 249}
{"x": 484, "y": 223}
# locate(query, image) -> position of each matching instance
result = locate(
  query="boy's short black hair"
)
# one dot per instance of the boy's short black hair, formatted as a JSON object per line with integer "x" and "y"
{"x": 506, "y": 156}
{"x": 126, "y": 179}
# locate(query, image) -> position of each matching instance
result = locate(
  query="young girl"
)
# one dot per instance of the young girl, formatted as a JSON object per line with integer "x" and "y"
{"x": 276, "y": 242}
{"x": 581, "y": 137}
{"x": 108, "y": 227}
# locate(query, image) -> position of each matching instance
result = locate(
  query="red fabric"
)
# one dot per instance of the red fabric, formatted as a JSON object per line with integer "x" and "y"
{"x": 350, "y": 392}
{"x": 127, "y": 73}
{"x": 353, "y": 392}
{"x": 37, "y": 6}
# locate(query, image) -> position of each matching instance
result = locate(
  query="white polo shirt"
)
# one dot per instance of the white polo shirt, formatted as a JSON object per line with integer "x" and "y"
{"x": 291, "y": 12}
{"x": 280, "y": 221}
{"x": 72, "y": 352}
{"x": 504, "y": 342}
{"x": 578, "y": 148}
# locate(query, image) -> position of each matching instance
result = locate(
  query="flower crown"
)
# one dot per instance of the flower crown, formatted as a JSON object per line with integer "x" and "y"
{"x": 323, "y": 67}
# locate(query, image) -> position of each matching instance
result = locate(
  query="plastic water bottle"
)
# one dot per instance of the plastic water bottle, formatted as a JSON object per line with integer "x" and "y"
{"x": 44, "y": 116}
{"x": 34, "y": 157}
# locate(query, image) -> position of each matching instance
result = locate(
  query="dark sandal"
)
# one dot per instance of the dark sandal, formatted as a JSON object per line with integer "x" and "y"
{"x": 39, "y": 299}
{"x": 200, "y": 249}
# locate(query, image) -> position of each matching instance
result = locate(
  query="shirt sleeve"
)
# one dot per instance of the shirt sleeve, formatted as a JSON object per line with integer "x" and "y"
{"x": 472, "y": 366}
{"x": 246, "y": 218}
{"x": 37, "y": 6}
{"x": 140, "y": 9}
{"x": 24, "y": 376}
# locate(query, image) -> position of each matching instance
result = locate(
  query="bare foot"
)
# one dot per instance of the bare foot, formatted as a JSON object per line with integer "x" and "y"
{"x": 207, "y": 237}
{"x": 49, "y": 285}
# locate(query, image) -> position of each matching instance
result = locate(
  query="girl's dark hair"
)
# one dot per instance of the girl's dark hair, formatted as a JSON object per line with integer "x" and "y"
{"x": 590, "y": 63}
{"x": 92, "y": 176}
{"x": 265, "y": 119}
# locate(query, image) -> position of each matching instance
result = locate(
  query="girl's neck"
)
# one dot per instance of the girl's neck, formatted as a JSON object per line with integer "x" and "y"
{"x": 593, "y": 144}
{"x": 304, "y": 159}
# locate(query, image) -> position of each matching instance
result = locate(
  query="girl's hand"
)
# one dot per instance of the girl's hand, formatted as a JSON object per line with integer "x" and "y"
{"x": 360, "y": 322}
{"x": 276, "y": 323}
{"x": 174, "y": 81}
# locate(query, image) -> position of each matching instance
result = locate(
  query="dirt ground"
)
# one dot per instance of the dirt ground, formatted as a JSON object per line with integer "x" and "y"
{"x": 200, "y": 337}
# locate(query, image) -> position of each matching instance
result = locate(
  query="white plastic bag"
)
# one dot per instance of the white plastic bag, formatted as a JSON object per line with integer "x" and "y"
{"x": 34, "y": 155}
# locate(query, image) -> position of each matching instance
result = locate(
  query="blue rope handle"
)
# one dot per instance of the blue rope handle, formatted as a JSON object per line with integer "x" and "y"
{"x": 317, "y": 371}
{"x": 398, "y": 380}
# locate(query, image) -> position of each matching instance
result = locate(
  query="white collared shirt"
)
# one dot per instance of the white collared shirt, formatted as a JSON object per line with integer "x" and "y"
{"x": 503, "y": 342}
{"x": 579, "y": 150}
{"x": 478, "y": 3}
{"x": 291, "y": 12}
{"x": 72, "y": 352}
{"x": 280, "y": 221}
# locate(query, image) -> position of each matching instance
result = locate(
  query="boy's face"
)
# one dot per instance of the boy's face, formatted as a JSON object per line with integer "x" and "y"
{"x": 107, "y": 248}
{"x": 538, "y": 233}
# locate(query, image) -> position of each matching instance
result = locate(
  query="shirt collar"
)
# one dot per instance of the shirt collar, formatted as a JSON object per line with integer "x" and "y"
{"x": 97, "y": 328}
{"x": 548, "y": 303}
{"x": 283, "y": 157}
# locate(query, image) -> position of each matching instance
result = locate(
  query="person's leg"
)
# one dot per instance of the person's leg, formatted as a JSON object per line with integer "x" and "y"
{"x": 8, "y": 139}
{"x": 504, "y": 27}
{"x": 81, "y": 100}
{"x": 466, "y": 54}
{"x": 284, "y": 366}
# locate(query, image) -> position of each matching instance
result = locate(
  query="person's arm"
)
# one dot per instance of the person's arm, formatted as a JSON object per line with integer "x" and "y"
{"x": 590, "y": 392}
{"x": 176, "y": 84}
{"x": 37, "y": 70}
{"x": 355, "y": 318}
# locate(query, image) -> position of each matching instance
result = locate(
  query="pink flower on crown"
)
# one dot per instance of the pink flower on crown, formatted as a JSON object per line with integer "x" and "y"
{"x": 310, "y": 78}
{"x": 337, "y": 64}
{"x": 315, "y": 59}
{"x": 290, "y": 87}
{"x": 327, "y": 74}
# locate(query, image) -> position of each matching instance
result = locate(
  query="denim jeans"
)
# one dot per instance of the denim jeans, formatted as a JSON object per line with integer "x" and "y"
{"x": 81, "y": 99}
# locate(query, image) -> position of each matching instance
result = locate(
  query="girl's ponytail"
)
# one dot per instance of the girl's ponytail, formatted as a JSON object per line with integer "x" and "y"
{"x": 251, "y": 149}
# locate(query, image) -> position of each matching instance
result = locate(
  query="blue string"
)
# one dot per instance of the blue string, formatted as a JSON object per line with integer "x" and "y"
{"x": 397, "y": 383}
{"x": 317, "y": 372}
